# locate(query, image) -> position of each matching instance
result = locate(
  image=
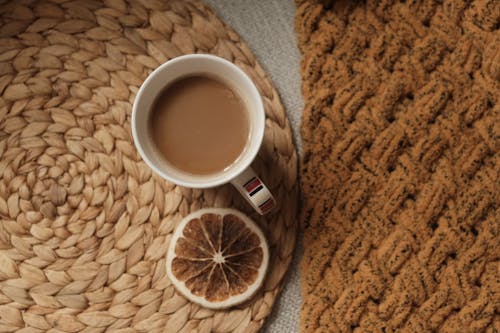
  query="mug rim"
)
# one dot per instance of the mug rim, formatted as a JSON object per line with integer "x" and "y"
{"x": 249, "y": 154}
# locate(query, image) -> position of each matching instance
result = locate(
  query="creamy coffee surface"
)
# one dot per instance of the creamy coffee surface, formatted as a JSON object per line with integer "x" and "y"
{"x": 199, "y": 125}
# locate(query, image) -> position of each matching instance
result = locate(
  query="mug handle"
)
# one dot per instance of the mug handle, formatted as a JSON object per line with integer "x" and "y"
{"x": 254, "y": 190}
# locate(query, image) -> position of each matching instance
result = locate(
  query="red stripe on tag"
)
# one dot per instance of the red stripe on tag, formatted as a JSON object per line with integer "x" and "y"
{"x": 267, "y": 206}
{"x": 252, "y": 185}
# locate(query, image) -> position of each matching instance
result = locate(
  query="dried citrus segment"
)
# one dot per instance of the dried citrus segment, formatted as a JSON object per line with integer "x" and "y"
{"x": 217, "y": 257}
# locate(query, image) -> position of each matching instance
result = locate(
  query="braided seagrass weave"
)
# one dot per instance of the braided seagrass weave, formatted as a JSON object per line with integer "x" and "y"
{"x": 401, "y": 165}
{"x": 85, "y": 224}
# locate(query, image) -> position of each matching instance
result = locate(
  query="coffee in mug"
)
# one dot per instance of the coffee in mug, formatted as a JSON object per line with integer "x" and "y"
{"x": 199, "y": 125}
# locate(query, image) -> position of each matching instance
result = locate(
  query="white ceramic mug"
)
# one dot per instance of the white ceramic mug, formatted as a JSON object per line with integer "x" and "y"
{"x": 240, "y": 174}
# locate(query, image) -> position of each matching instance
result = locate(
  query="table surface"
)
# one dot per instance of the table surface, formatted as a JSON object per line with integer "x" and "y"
{"x": 267, "y": 27}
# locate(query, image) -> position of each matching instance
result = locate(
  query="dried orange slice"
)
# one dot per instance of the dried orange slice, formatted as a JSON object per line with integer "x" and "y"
{"x": 217, "y": 257}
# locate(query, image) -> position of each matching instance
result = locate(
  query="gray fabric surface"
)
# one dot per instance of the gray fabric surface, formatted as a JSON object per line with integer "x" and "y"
{"x": 267, "y": 28}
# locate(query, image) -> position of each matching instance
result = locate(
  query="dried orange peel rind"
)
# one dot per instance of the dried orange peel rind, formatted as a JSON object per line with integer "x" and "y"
{"x": 217, "y": 257}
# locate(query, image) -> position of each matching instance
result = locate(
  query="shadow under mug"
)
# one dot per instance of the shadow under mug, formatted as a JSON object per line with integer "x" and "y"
{"x": 240, "y": 174}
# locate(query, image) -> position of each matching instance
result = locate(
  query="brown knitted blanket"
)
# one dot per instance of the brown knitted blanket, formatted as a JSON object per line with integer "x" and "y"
{"x": 400, "y": 174}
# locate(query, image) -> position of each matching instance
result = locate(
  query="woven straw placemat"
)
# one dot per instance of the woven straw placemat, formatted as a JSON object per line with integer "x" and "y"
{"x": 401, "y": 167}
{"x": 85, "y": 224}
